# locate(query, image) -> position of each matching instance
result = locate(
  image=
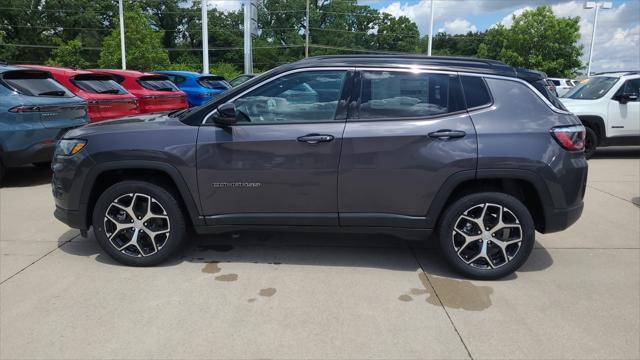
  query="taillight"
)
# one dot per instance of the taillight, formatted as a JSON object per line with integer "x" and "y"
{"x": 570, "y": 137}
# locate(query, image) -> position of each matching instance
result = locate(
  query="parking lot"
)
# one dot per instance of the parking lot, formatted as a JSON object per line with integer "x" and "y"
{"x": 293, "y": 296}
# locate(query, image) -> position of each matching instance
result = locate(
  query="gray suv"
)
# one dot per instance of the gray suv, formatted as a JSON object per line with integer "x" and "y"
{"x": 475, "y": 151}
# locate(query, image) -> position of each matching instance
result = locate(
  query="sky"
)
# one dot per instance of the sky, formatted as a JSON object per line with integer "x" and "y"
{"x": 617, "y": 43}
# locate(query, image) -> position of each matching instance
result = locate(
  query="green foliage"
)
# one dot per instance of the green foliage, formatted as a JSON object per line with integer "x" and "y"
{"x": 143, "y": 45}
{"x": 537, "y": 40}
{"x": 228, "y": 71}
{"x": 68, "y": 54}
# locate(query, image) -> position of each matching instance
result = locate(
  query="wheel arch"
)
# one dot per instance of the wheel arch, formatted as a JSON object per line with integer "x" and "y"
{"x": 596, "y": 123}
{"x": 107, "y": 174}
{"x": 524, "y": 185}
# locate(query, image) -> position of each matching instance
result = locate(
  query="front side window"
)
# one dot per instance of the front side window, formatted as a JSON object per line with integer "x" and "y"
{"x": 389, "y": 94}
{"x": 299, "y": 97}
{"x": 632, "y": 86}
{"x": 592, "y": 88}
{"x": 34, "y": 83}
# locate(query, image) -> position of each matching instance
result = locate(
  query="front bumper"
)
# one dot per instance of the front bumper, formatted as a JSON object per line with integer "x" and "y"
{"x": 73, "y": 218}
{"x": 34, "y": 154}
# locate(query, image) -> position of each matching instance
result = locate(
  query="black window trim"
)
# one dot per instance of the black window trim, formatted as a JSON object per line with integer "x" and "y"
{"x": 343, "y": 101}
{"x": 357, "y": 97}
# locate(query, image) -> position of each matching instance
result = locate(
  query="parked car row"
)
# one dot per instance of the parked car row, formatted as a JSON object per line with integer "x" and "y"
{"x": 38, "y": 103}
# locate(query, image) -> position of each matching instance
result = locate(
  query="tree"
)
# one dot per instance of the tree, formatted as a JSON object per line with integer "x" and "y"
{"x": 537, "y": 40}
{"x": 143, "y": 45}
{"x": 68, "y": 54}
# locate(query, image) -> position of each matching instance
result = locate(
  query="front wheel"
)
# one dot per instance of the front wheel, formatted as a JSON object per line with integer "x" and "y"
{"x": 138, "y": 223}
{"x": 487, "y": 235}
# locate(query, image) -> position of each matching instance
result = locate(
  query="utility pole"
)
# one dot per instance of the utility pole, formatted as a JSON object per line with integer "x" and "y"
{"x": 205, "y": 36}
{"x": 248, "y": 56}
{"x": 306, "y": 33}
{"x": 123, "y": 55}
{"x": 430, "y": 31}
{"x": 597, "y": 6}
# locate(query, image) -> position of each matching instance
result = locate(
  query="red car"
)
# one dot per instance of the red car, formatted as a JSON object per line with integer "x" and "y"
{"x": 105, "y": 98}
{"x": 155, "y": 93}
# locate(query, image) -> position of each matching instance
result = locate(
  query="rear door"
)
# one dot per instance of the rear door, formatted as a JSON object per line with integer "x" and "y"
{"x": 278, "y": 165}
{"x": 409, "y": 133}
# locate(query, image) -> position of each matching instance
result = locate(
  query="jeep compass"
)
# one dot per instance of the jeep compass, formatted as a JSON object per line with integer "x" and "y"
{"x": 477, "y": 152}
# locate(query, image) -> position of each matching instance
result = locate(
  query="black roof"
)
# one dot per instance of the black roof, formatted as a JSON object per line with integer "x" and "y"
{"x": 465, "y": 64}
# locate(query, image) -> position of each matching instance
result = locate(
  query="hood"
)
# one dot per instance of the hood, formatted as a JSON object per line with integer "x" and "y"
{"x": 127, "y": 124}
{"x": 581, "y": 107}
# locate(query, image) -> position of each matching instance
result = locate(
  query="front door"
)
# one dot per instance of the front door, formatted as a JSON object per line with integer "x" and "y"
{"x": 278, "y": 164}
{"x": 624, "y": 119}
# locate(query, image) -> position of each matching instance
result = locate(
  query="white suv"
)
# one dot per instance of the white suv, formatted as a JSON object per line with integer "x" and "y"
{"x": 608, "y": 106}
{"x": 562, "y": 85}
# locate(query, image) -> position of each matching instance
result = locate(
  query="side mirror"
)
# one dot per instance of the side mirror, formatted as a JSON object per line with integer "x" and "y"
{"x": 225, "y": 114}
{"x": 626, "y": 97}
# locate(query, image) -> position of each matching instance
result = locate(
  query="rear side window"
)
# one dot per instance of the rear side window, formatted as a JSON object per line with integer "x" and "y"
{"x": 556, "y": 82}
{"x": 214, "y": 82}
{"x": 157, "y": 83}
{"x": 34, "y": 83}
{"x": 475, "y": 91}
{"x": 98, "y": 84}
{"x": 389, "y": 94}
{"x": 544, "y": 90}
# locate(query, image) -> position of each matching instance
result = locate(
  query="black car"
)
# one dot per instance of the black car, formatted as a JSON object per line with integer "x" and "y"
{"x": 473, "y": 150}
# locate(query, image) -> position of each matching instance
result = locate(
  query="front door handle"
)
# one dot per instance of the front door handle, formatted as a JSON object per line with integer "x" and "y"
{"x": 447, "y": 134}
{"x": 315, "y": 138}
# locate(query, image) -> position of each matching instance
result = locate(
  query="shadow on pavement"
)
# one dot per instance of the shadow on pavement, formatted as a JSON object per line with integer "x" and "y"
{"x": 617, "y": 152}
{"x": 317, "y": 249}
{"x": 26, "y": 176}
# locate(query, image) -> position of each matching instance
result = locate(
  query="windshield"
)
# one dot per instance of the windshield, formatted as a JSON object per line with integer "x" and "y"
{"x": 98, "y": 85}
{"x": 34, "y": 83}
{"x": 592, "y": 88}
{"x": 157, "y": 83}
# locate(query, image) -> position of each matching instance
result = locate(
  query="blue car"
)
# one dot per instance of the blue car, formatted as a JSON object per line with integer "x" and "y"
{"x": 35, "y": 111}
{"x": 200, "y": 88}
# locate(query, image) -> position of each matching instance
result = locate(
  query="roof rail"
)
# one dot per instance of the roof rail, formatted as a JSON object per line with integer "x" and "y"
{"x": 623, "y": 72}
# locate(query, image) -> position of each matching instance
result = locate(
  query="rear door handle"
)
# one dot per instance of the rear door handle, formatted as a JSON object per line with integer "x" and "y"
{"x": 447, "y": 134}
{"x": 315, "y": 138}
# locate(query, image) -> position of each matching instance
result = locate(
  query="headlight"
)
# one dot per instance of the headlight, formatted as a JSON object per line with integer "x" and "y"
{"x": 69, "y": 147}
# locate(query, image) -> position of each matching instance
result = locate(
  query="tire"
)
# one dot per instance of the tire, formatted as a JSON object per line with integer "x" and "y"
{"x": 462, "y": 241}
{"x": 3, "y": 171}
{"x": 590, "y": 142}
{"x": 115, "y": 233}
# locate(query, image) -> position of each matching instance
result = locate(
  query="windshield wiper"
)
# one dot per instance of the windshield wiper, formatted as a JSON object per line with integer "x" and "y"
{"x": 111, "y": 91}
{"x": 53, "y": 92}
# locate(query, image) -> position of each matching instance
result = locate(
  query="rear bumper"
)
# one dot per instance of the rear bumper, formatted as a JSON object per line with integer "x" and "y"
{"x": 560, "y": 219}
{"x": 36, "y": 153}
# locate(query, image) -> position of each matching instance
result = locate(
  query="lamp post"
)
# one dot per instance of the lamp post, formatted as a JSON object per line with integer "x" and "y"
{"x": 595, "y": 5}
{"x": 430, "y": 31}
{"x": 205, "y": 36}
{"x": 123, "y": 55}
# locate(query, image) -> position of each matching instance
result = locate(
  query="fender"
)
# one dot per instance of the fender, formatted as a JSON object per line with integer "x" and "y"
{"x": 453, "y": 181}
{"x": 170, "y": 170}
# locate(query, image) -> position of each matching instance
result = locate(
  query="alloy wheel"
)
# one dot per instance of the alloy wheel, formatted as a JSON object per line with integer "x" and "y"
{"x": 137, "y": 225}
{"x": 487, "y": 236}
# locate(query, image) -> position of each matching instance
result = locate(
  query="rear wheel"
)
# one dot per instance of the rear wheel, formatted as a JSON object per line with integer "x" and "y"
{"x": 590, "y": 142}
{"x": 43, "y": 164}
{"x": 2, "y": 172}
{"x": 486, "y": 235}
{"x": 138, "y": 223}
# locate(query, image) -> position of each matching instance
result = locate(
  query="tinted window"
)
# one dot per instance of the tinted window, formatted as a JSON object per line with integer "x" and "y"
{"x": 592, "y": 88}
{"x": 556, "y": 82}
{"x": 98, "y": 85}
{"x": 35, "y": 83}
{"x": 632, "y": 86}
{"x": 240, "y": 79}
{"x": 541, "y": 86}
{"x": 159, "y": 84}
{"x": 475, "y": 91}
{"x": 305, "y": 96}
{"x": 386, "y": 94}
{"x": 214, "y": 82}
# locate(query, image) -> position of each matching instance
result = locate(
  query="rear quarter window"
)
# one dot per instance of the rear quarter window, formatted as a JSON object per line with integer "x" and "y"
{"x": 476, "y": 93}
{"x": 157, "y": 83}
